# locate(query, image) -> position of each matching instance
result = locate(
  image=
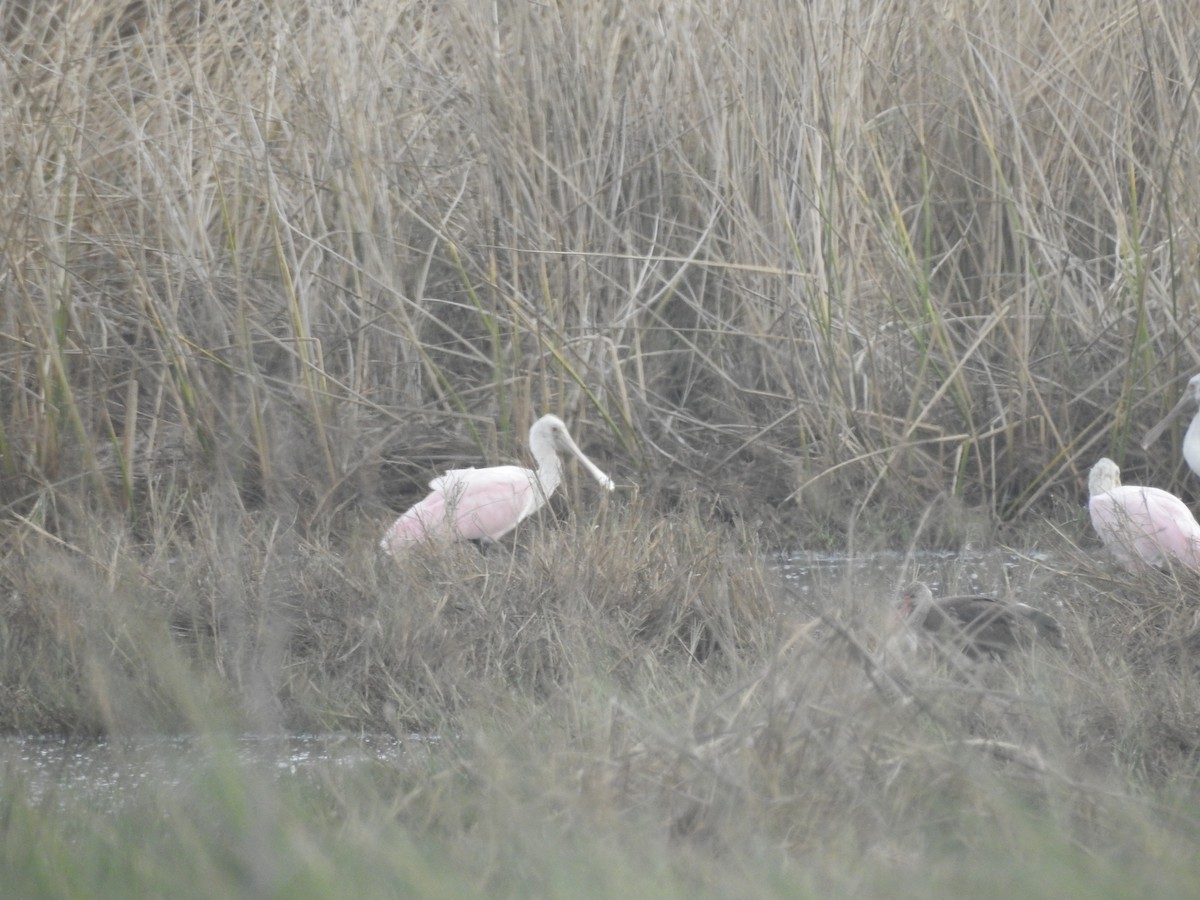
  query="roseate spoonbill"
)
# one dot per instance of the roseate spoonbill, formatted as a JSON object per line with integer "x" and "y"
{"x": 485, "y": 504}
{"x": 1141, "y": 526}
{"x": 978, "y": 626}
{"x": 1191, "y": 437}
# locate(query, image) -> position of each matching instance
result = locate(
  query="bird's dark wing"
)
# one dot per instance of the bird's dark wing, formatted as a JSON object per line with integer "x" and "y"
{"x": 982, "y": 625}
{"x": 1044, "y": 624}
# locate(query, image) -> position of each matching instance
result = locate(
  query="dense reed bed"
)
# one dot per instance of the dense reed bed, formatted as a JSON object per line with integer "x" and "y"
{"x": 825, "y": 262}
{"x": 830, "y": 276}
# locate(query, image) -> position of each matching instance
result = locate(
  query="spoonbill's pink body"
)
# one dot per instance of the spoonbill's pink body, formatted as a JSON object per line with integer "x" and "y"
{"x": 1141, "y": 526}
{"x": 486, "y": 504}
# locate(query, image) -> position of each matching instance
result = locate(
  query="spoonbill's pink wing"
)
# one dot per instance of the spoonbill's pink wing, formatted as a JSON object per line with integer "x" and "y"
{"x": 1145, "y": 526}
{"x": 467, "y": 504}
{"x": 491, "y": 502}
{"x": 1175, "y": 528}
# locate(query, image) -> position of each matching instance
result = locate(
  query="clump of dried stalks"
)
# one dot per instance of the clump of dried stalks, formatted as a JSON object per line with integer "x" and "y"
{"x": 286, "y": 633}
{"x": 642, "y": 685}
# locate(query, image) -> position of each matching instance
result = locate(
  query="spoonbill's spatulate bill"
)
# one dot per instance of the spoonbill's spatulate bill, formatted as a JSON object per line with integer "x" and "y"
{"x": 485, "y": 504}
{"x": 1141, "y": 526}
{"x": 978, "y": 626}
{"x": 1191, "y": 437}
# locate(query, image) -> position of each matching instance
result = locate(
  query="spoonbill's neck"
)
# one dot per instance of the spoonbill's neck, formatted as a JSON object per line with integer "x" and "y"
{"x": 1191, "y": 444}
{"x": 549, "y": 469}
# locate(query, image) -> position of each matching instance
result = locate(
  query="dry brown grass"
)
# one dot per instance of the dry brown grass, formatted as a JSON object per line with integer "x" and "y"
{"x": 621, "y": 669}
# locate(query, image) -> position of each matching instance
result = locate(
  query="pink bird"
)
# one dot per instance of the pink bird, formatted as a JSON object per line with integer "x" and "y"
{"x": 1191, "y": 438}
{"x": 486, "y": 504}
{"x": 1141, "y": 526}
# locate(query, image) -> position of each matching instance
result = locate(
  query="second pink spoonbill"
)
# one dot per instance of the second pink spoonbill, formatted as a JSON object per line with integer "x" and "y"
{"x": 1191, "y": 437}
{"x": 1141, "y": 526}
{"x": 485, "y": 504}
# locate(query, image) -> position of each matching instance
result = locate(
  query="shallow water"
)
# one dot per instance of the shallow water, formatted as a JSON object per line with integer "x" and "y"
{"x": 105, "y": 772}
{"x": 885, "y": 573}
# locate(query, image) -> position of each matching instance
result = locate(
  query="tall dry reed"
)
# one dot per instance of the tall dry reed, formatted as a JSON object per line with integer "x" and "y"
{"x": 859, "y": 254}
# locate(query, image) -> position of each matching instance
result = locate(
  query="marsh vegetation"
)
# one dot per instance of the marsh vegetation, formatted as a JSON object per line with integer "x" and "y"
{"x": 840, "y": 277}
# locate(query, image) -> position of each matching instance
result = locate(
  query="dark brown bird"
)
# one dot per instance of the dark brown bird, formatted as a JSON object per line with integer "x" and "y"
{"x": 978, "y": 626}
